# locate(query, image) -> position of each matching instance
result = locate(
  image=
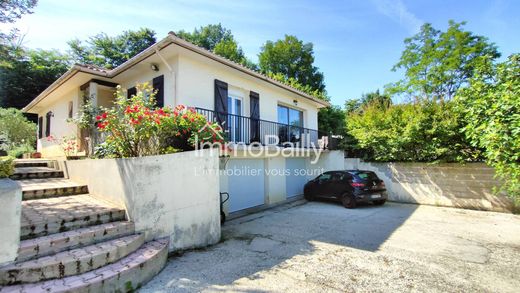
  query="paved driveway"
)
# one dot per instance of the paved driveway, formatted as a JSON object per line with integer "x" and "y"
{"x": 323, "y": 247}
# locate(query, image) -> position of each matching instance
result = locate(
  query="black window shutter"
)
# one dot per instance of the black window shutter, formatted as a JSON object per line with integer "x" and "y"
{"x": 254, "y": 111}
{"x": 158, "y": 84}
{"x": 221, "y": 106}
{"x": 40, "y": 127}
{"x": 131, "y": 92}
{"x": 48, "y": 124}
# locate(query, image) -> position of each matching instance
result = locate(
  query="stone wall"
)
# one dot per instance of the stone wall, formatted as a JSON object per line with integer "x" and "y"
{"x": 175, "y": 195}
{"x": 11, "y": 206}
{"x": 448, "y": 184}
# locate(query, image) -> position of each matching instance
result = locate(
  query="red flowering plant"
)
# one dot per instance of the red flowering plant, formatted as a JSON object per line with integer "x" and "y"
{"x": 186, "y": 129}
{"x": 135, "y": 127}
{"x": 68, "y": 144}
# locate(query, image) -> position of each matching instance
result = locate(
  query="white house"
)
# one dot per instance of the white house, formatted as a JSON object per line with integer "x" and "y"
{"x": 253, "y": 105}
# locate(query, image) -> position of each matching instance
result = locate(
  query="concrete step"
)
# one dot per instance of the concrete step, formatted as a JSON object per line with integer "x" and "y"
{"x": 20, "y": 163}
{"x": 125, "y": 275}
{"x": 54, "y": 243}
{"x": 50, "y": 187}
{"x": 47, "y": 216}
{"x": 73, "y": 262}
{"x": 35, "y": 173}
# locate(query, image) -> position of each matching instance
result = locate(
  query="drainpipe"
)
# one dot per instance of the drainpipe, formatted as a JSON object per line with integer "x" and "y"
{"x": 172, "y": 73}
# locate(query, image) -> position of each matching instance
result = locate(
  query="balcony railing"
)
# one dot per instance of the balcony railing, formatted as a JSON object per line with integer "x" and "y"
{"x": 246, "y": 130}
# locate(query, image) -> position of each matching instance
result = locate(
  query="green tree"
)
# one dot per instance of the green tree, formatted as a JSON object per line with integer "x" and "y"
{"x": 332, "y": 120}
{"x": 16, "y": 129}
{"x": 219, "y": 40}
{"x": 292, "y": 58}
{"x": 437, "y": 63}
{"x": 109, "y": 52}
{"x": 27, "y": 73}
{"x": 382, "y": 100}
{"x": 424, "y": 131}
{"x": 490, "y": 106}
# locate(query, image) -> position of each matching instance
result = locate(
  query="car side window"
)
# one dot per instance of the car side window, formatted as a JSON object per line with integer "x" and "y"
{"x": 337, "y": 177}
{"x": 324, "y": 177}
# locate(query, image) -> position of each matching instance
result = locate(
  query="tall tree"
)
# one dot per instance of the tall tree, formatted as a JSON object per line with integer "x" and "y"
{"x": 219, "y": 40}
{"x": 438, "y": 63}
{"x": 28, "y": 73}
{"x": 375, "y": 97}
{"x": 490, "y": 107}
{"x": 292, "y": 58}
{"x": 110, "y": 52}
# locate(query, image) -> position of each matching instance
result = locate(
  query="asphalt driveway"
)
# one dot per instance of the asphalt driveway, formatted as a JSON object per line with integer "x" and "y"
{"x": 319, "y": 246}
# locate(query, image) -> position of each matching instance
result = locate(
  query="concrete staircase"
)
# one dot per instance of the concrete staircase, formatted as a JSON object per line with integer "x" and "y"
{"x": 74, "y": 242}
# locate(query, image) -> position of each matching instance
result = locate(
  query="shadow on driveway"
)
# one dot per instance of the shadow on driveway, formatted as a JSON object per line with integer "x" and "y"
{"x": 264, "y": 240}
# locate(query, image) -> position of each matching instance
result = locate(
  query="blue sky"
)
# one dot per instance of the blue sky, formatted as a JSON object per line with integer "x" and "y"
{"x": 356, "y": 42}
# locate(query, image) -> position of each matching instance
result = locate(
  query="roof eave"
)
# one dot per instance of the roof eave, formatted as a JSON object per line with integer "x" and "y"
{"x": 62, "y": 79}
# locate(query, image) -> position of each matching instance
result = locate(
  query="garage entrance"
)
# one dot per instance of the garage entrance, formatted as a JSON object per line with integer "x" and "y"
{"x": 294, "y": 181}
{"x": 245, "y": 184}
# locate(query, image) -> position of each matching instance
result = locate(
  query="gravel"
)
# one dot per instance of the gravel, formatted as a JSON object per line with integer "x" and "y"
{"x": 321, "y": 246}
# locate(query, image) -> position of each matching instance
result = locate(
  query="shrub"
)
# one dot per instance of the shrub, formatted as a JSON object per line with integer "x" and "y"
{"x": 15, "y": 129}
{"x": 135, "y": 127}
{"x": 425, "y": 131}
{"x": 6, "y": 167}
{"x": 490, "y": 106}
{"x": 19, "y": 151}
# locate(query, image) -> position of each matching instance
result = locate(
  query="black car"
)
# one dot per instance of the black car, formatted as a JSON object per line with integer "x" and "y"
{"x": 349, "y": 186}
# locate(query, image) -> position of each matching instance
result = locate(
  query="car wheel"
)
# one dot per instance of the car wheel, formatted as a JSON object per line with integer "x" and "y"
{"x": 379, "y": 202}
{"x": 348, "y": 201}
{"x": 308, "y": 197}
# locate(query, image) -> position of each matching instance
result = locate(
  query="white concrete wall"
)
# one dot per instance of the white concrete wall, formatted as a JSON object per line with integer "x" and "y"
{"x": 59, "y": 125}
{"x": 11, "y": 203}
{"x": 175, "y": 195}
{"x": 449, "y": 184}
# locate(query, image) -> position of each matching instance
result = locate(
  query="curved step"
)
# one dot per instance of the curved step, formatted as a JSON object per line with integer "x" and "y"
{"x": 51, "y": 187}
{"x": 43, "y": 217}
{"x": 36, "y": 172}
{"x": 125, "y": 275}
{"x": 72, "y": 262}
{"x": 54, "y": 243}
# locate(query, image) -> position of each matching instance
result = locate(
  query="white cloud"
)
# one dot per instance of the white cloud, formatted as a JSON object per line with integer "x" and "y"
{"x": 398, "y": 12}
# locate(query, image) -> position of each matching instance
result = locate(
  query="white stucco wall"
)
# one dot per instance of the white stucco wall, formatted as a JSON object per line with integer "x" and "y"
{"x": 11, "y": 203}
{"x": 196, "y": 88}
{"x": 59, "y": 125}
{"x": 449, "y": 184}
{"x": 175, "y": 195}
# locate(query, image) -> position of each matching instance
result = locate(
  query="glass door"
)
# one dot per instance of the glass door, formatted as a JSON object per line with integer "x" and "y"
{"x": 292, "y": 121}
{"x": 234, "y": 118}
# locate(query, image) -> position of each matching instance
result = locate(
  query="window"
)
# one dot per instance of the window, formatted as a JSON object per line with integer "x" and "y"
{"x": 40, "y": 127}
{"x": 48, "y": 124}
{"x": 131, "y": 92}
{"x": 292, "y": 121}
{"x": 324, "y": 177}
{"x": 70, "y": 109}
{"x": 158, "y": 85}
{"x": 234, "y": 119}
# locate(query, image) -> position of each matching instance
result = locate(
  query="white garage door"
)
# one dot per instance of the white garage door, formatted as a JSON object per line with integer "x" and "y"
{"x": 245, "y": 183}
{"x": 295, "y": 181}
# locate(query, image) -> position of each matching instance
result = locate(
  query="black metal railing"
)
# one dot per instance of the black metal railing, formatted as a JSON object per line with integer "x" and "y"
{"x": 247, "y": 130}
